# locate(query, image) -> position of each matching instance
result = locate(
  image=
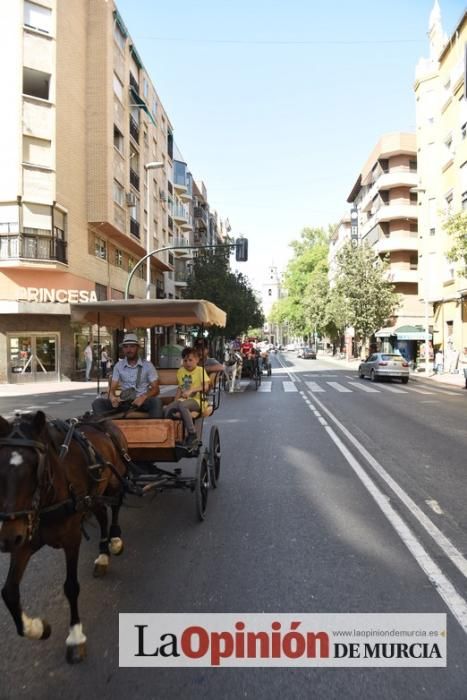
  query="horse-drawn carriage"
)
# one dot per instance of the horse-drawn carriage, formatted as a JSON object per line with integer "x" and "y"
{"x": 54, "y": 472}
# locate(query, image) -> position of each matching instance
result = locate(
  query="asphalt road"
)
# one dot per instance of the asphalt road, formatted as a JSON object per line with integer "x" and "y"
{"x": 293, "y": 527}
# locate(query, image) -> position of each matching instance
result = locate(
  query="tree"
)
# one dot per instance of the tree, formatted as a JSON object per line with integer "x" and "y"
{"x": 366, "y": 296}
{"x": 212, "y": 279}
{"x": 310, "y": 256}
{"x": 456, "y": 227}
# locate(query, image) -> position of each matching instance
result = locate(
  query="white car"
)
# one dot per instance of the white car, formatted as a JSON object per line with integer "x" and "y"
{"x": 290, "y": 347}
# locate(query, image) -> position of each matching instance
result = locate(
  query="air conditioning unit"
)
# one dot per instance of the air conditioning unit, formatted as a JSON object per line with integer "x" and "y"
{"x": 130, "y": 199}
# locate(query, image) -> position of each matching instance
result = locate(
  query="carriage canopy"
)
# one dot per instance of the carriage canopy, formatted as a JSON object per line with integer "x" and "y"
{"x": 145, "y": 313}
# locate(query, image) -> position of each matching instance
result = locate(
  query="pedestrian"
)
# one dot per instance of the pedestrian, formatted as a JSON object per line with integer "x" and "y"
{"x": 439, "y": 361}
{"x": 464, "y": 365}
{"x": 104, "y": 362}
{"x": 88, "y": 359}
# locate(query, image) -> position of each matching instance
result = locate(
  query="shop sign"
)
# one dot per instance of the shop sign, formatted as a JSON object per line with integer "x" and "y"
{"x": 54, "y": 296}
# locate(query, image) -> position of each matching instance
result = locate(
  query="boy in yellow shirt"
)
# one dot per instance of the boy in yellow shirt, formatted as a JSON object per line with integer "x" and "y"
{"x": 192, "y": 381}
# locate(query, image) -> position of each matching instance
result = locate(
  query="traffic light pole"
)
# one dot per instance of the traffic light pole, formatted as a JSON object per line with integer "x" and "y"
{"x": 174, "y": 247}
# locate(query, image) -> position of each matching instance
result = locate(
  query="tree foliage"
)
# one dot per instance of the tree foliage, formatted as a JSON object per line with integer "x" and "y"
{"x": 366, "y": 297}
{"x": 212, "y": 279}
{"x": 456, "y": 227}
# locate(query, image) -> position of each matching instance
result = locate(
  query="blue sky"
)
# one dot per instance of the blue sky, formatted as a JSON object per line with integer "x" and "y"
{"x": 276, "y": 104}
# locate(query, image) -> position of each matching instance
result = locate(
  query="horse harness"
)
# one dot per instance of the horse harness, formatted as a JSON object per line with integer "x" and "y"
{"x": 76, "y": 502}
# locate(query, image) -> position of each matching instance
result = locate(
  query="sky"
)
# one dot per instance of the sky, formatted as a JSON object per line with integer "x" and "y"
{"x": 276, "y": 104}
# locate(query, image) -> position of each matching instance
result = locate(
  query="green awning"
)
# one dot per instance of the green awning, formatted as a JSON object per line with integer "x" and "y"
{"x": 141, "y": 104}
{"x": 411, "y": 333}
{"x": 135, "y": 55}
{"x": 120, "y": 23}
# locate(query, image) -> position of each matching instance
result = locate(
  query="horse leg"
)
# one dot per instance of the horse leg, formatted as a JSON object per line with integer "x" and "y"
{"x": 116, "y": 542}
{"x": 102, "y": 562}
{"x": 76, "y": 640}
{"x": 31, "y": 628}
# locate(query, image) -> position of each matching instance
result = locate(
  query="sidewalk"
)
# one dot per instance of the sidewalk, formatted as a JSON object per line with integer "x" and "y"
{"x": 47, "y": 388}
{"x": 443, "y": 379}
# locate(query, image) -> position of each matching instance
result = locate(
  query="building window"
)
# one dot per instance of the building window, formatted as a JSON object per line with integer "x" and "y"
{"x": 100, "y": 248}
{"x": 154, "y": 107}
{"x": 118, "y": 139}
{"x": 37, "y": 17}
{"x": 432, "y": 231}
{"x": 101, "y": 292}
{"x": 145, "y": 87}
{"x": 118, "y": 193}
{"x": 448, "y": 199}
{"x": 131, "y": 264}
{"x": 118, "y": 87}
{"x": 414, "y": 262}
{"x": 413, "y": 197}
{"x": 118, "y": 258}
{"x": 413, "y": 166}
{"x": 269, "y": 292}
{"x": 119, "y": 37}
{"x": 36, "y": 83}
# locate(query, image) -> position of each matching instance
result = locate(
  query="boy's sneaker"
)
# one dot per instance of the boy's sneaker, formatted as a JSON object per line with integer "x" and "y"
{"x": 191, "y": 440}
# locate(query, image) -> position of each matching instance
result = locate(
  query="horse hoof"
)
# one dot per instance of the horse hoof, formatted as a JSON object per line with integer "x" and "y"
{"x": 47, "y": 630}
{"x": 75, "y": 653}
{"x": 99, "y": 570}
{"x": 116, "y": 546}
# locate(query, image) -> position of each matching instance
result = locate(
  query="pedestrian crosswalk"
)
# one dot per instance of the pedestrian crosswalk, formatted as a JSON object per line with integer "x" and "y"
{"x": 345, "y": 386}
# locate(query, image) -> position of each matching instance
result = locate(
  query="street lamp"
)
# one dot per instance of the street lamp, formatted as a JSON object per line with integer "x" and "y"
{"x": 153, "y": 165}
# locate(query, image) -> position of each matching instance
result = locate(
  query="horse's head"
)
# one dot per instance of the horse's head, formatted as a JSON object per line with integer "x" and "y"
{"x": 22, "y": 469}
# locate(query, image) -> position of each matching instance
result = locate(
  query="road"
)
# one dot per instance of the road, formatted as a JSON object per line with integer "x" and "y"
{"x": 295, "y": 526}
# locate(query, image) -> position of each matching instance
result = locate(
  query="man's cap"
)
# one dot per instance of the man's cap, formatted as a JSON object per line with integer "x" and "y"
{"x": 130, "y": 339}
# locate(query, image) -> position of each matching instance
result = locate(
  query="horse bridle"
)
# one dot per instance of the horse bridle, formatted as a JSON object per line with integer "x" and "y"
{"x": 16, "y": 438}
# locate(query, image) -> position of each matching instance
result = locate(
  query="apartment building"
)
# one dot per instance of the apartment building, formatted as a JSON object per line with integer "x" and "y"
{"x": 441, "y": 118}
{"x": 388, "y": 220}
{"x": 90, "y": 180}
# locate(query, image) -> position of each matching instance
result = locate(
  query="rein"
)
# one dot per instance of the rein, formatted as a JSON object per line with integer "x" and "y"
{"x": 16, "y": 438}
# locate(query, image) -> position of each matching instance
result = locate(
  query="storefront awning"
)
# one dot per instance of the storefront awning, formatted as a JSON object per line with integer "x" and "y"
{"x": 411, "y": 333}
{"x": 385, "y": 332}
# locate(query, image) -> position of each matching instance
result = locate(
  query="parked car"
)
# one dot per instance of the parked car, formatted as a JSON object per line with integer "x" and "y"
{"x": 307, "y": 352}
{"x": 382, "y": 364}
{"x": 290, "y": 347}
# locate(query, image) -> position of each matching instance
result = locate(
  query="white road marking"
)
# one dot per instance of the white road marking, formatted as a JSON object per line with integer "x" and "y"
{"x": 339, "y": 387}
{"x": 420, "y": 391}
{"x": 289, "y": 386}
{"x": 265, "y": 386}
{"x": 441, "y": 540}
{"x": 394, "y": 389}
{"x": 322, "y": 421}
{"x": 53, "y": 403}
{"x": 446, "y": 590}
{"x": 364, "y": 387}
{"x": 313, "y": 386}
{"x": 64, "y": 400}
{"x": 447, "y": 392}
{"x": 434, "y": 505}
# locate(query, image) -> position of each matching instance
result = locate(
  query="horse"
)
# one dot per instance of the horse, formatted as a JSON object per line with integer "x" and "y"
{"x": 46, "y": 489}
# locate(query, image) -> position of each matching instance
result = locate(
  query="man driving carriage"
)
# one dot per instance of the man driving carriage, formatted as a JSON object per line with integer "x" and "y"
{"x": 138, "y": 381}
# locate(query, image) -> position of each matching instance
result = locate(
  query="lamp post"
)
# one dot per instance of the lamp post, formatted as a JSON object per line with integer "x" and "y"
{"x": 153, "y": 165}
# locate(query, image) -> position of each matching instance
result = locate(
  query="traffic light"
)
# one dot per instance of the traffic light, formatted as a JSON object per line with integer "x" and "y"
{"x": 241, "y": 249}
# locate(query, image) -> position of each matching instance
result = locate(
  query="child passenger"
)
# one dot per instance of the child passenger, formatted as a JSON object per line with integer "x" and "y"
{"x": 191, "y": 381}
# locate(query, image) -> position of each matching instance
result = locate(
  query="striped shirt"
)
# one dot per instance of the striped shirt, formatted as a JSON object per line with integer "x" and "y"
{"x": 127, "y": 374}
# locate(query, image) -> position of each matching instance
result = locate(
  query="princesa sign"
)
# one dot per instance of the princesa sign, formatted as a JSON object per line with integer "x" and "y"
{"x": 55, "y": 296}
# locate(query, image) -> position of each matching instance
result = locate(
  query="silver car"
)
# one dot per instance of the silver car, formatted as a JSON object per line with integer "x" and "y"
{"x": 382, "y": 364}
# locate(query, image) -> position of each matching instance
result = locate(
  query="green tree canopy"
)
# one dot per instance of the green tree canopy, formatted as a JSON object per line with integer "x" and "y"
{"x": 456, "y": 226}
{"x": 212, "y": 279}
{"x": 366, "y": 297}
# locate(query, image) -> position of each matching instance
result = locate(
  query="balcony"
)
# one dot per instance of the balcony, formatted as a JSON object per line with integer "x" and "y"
{"x": 134, "y": 179}
{"x": 134, "y": 129}
{"x": 402, "y": 275}
{"x": 396, "y": 242}
{"x": 389, "y": 211}
{"x": 201, "y": 214}
{"x": 179, "y": 213}
{"x": 179, "y": 176}
{"x": 29, "y": 246}
{"x": 134, "y": 227}
{"x": 397, "y": 177}
{"x": 181, "y": 277}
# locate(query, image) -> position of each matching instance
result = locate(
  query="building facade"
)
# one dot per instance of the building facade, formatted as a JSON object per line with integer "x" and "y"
{"x": 388, "y": 221}
{"x": 441, "y": 117}
{"x": 90, "y": 180}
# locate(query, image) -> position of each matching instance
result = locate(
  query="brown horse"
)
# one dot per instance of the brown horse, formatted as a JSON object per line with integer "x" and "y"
{"x": 44, "y": 496}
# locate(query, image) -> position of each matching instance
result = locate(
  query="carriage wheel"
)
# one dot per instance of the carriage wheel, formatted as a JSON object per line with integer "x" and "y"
{"x": 214, "y": 455}
{"x": 202, "y": 486}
